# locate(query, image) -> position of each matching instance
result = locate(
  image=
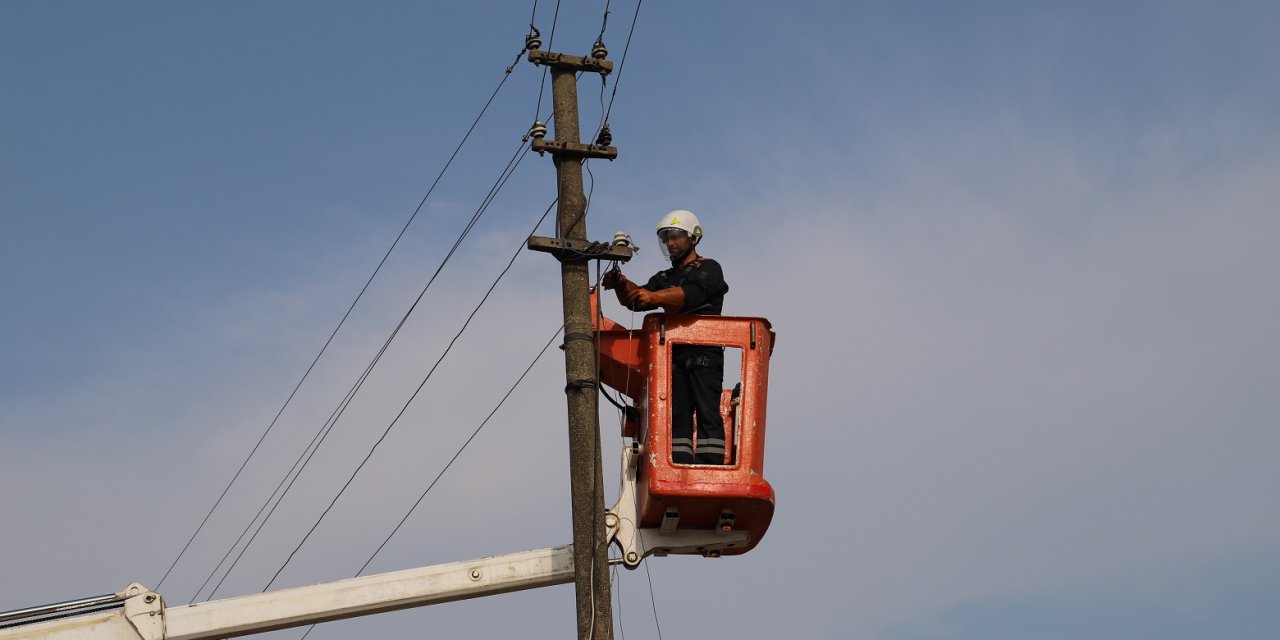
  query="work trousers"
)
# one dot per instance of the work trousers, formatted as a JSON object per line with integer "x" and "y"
{"x": 696, "y": 381}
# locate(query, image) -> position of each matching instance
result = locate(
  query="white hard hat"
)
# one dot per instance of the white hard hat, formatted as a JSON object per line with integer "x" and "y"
{"x": 684, "y": 221}
{"x": 681, "y": 219}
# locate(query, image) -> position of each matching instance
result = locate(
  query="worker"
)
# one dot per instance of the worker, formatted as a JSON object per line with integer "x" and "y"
{"x": 693, "y": 285}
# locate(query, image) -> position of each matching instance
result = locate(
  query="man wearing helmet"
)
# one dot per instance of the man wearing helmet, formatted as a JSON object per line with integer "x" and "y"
{"x": 693, "y": 285}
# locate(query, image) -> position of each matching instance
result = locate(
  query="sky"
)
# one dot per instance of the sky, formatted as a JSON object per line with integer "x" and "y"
{"x": 1018, "y": 257}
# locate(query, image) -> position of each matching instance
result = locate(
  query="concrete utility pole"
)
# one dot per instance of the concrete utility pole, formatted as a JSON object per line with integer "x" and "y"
{"x": 590, "y": 551}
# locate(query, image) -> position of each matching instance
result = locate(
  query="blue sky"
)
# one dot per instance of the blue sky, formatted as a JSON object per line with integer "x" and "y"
{"x": 1019, "y": 257}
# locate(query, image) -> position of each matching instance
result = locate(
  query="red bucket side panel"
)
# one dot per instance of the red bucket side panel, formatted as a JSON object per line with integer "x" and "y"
{"x": 702, "y": 493}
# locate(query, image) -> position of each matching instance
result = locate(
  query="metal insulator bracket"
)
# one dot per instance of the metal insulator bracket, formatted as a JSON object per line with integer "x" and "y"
{"x": 567, "y": 62}
{"x": 574, "y": 149}
{"x": 576, "y": 251}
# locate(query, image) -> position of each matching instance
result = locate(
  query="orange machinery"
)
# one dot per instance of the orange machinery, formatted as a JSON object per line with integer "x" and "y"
{"x": 698, "y": 508}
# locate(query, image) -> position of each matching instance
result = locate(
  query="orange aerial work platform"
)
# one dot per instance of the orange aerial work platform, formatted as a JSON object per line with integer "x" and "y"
{"x": 710, "y": 509}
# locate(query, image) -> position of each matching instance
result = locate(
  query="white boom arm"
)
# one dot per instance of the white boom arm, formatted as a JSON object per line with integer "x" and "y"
{"x": 622, "y": 526}
{"x": 145, "y": 616}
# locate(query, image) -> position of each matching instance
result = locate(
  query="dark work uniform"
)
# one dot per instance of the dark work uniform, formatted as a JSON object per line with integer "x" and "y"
{"x": 697, "y": 371}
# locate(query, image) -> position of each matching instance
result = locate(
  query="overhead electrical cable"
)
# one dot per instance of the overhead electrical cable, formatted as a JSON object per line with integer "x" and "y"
{"x": 458, "y": 453}
{"x": 604, "y": 21}
{"x": 604, "y": 123}
{"x": 652, "y": 601}
{"x": 290, "y": 477}
{"x": 627, "y": 47}
{"x": 520, "y": 249}
{"x": 341, "y": 408}
{"x": 617, "y": 586}
{"x": 414, "y": 395}
{"x": 622, "y": 418}
{"x": 595, "y": 477}
{"x": 342, "y": 321}
{"x": 536, "y": 358}
{"x": 555, "y": 18}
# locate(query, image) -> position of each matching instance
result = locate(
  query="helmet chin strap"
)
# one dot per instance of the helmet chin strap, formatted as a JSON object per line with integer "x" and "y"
{"x": 675, "y": 260}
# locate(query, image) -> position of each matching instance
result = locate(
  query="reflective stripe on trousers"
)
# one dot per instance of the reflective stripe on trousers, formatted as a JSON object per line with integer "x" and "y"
{"x": 682, "y": 450}
{"x": 710, "y": 451}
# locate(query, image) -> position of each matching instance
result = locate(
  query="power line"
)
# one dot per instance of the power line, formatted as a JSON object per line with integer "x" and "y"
{"x": 414, "y": 395}
{"x": 622, "y": 418}
{"x": 340, "y": 324}
{"x": 618, "y": 76}
{"x": 555, "y": 18}
{"x": 652, "y": 601}
{"x": 617, "y": 79}
{"x": 595, "y": 477}
{"x": 291, "y": 477}
{"x": 604, "y": 21}
{"x": 475, "y": 433}
{"x": 342, "y": 405}
{"x": 437, "y": 479}
{"x": 617, "y": 585}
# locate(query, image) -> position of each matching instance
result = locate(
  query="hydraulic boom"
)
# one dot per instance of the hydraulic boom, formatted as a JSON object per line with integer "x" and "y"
{"x": 137, "y": 613}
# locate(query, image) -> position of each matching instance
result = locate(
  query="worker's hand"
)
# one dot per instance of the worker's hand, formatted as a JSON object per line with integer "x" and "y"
{"x": 641, "y": 298}
{"x": 613, "y": 279}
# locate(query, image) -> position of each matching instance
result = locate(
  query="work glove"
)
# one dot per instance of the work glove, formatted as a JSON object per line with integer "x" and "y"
{"x": 613, "y": 279}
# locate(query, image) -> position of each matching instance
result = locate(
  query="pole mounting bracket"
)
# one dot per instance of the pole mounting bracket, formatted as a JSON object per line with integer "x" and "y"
{"x": 574, "y": 149}
{"x": 569, "y": 250}
{"x": 567, "y": 62}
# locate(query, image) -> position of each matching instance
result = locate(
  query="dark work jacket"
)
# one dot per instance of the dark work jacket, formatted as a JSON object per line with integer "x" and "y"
{"x": 703, "y": 284}
{"x": 704, "y": 289}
